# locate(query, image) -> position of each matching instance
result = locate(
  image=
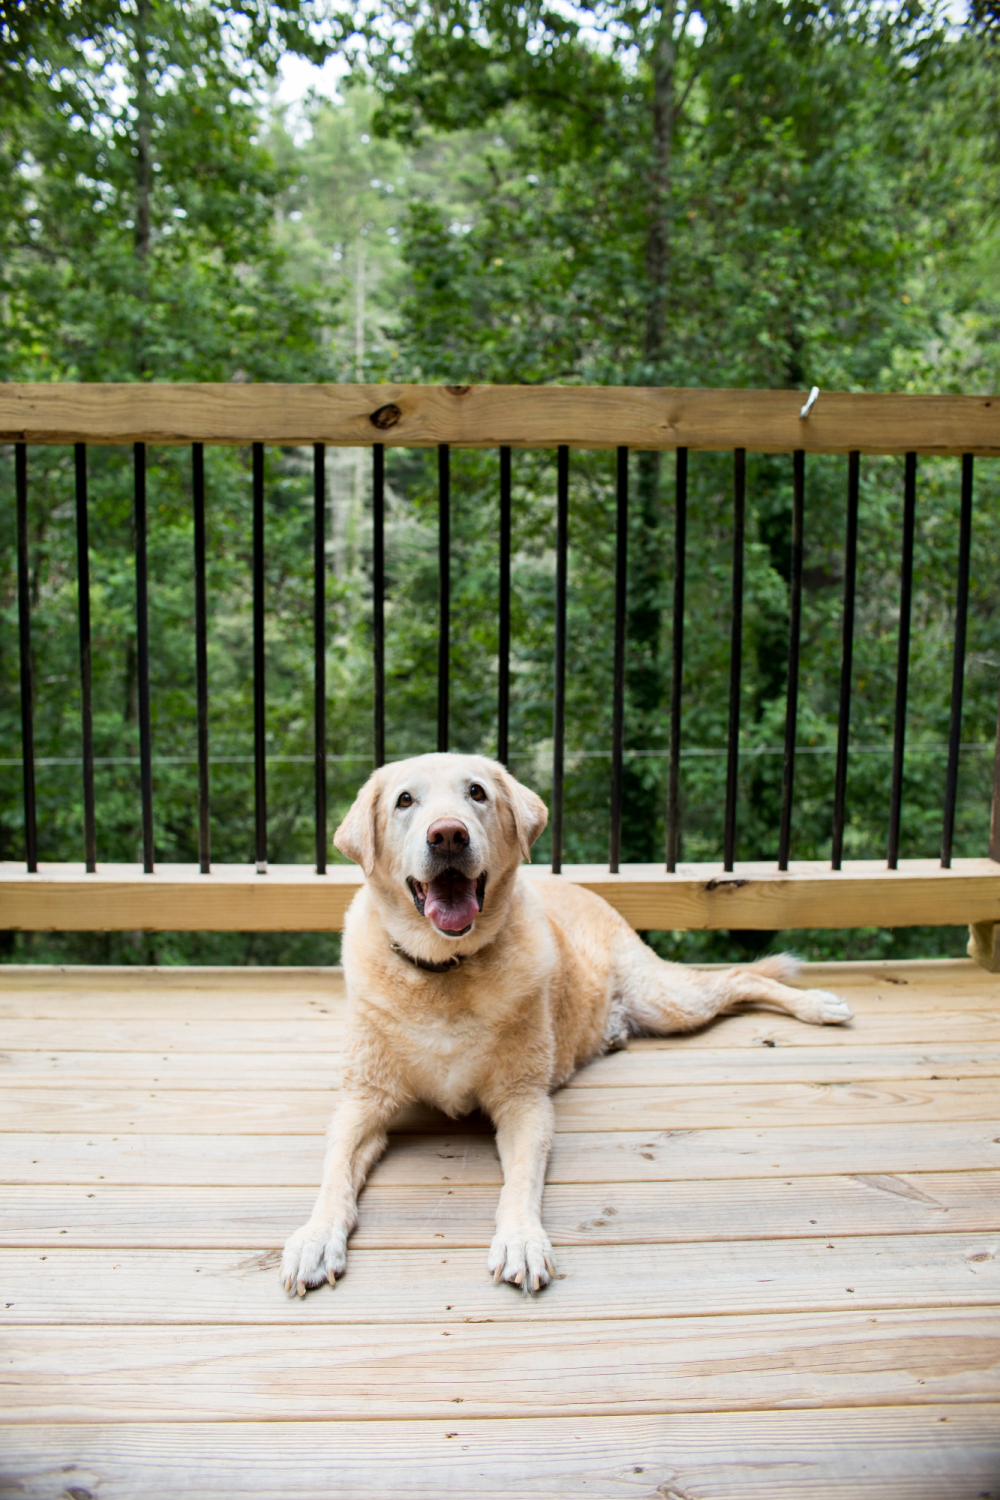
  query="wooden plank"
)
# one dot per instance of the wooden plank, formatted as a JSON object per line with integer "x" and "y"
{"x": 485, "y": 416}
{"x": 639, "y": 1067}
{"x": 159, "y": 1035}
{"x": 944, "y": 975}
{"x": 710, "y": 1105}
{"x": 646, "y": 1213}
{"x": 756, "y": 896}
{"x": 226, "y": 1071}
{"x": 681, "y": 1106}
{"x": 288, "y": 1007}
{"x": 64, "y": 993}
{"x": 642, "y": 1066}
{"x": 877, "y": 1029}
{"x": 466, "y": 1154}
{"x": 140, "y": 978}
{"x": 177, "y": 898}
{"x": 938, "y": 977}
{"x": 293, "y": 898}
{"x": 109, "y": 1374}
{"x": 284, "y": 1005}
{"x": 55, "y": 1287}
{"x": 893, "y": 1453}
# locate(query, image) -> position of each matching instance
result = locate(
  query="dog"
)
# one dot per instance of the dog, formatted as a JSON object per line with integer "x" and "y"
{"x": 471, "y": 984}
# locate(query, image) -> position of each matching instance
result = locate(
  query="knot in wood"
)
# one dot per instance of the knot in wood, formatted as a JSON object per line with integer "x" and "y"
{"x": 386, "y": 416}
{"x": 458, "y": 390}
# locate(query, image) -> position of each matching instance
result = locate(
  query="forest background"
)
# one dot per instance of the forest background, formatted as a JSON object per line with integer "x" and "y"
{"x": 767, "y": 193}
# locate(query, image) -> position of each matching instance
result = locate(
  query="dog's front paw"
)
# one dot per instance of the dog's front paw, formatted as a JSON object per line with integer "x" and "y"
{"x": 314, "y": 1254}
{"x": 523, "y": 1257}
{"x": 823, "y": 1008}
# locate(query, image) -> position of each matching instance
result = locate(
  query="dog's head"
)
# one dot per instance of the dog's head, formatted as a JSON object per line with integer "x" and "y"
{"x": 439, "y": 838}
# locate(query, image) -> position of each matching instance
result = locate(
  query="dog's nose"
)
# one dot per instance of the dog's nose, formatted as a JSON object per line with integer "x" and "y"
{"x": 448, "y": 836}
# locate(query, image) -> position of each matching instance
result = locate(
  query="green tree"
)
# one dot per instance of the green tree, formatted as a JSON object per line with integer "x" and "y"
{"x": 829, "y": 216}
{"x": 720, "y": 195}
{"x": 140, "y": 243}
{"x": 137, "y": 240}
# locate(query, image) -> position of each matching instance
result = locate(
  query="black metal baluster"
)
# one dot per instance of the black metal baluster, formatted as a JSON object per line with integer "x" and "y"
{"x": 378, "y": 597}
{"x": 142, "y": 645}
{"x": 677, "y": 673}
{"x": 503, "y": 650}
{"x": 86, "y": 695}
{"x": 444, "y": 590}
{"x": 201, "y": 654}
{"x": 846, "y": 659}
{"x": 735, "y": 657}
{"x": 319, "y": 648}
{"x": 618, "y": 699}
{"x": 27, "y": 686}
{"x": 559, "y": 686}
{"x": 259, "y": 726}
{"x": 958, "y": 663}
{"x": 902, "y": 656}
{"x": 794, "y": 639}
{"x": 994, "y": 850}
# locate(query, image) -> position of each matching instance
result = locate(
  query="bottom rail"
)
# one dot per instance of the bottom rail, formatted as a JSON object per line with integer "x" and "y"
{"x": 293, "y": 898}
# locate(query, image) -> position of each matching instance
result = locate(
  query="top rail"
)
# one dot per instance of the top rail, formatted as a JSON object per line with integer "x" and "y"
{"x": 493, "y": 416}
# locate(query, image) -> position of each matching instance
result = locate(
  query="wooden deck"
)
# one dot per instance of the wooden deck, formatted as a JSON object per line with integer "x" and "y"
{"x": 778, "y": 1247}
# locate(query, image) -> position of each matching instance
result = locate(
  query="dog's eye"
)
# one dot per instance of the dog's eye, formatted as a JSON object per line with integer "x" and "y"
{"x": 476, "y": 792}
{"x": 404, "y": 800}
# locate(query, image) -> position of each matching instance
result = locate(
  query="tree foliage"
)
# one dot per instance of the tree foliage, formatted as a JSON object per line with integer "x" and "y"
{"x": 138, "y": 240}
{"x": 753, "y": 194}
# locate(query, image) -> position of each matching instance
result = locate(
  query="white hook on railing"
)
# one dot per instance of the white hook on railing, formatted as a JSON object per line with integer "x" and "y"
{"x": 810, "y": 402}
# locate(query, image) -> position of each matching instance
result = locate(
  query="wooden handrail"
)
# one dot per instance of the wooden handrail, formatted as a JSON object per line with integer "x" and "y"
{"x": 293, "y": 898}
{"x": 488, "y": 416}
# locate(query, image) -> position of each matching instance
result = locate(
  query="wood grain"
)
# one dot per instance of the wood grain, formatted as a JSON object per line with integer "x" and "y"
{"x": 56, "y": 1287}
{"x": 190, "y": 1374}
{"x": 639, "y": 1067}
{"x": 904, "y": 984}
{"x": 466, "y": 1154}
{"x": 486, "y": 416}
{"x": 85, "y": 979}
{"x": 187, "y": 1004}
{"x": 891, "y": 1453}
{"x": 318, "y": 1035}
{"x": 293, "y": 898}
{"x": 681, "y": 1106}
{"x": 395, "y": 1217}
{"x": 735, "y": 1232}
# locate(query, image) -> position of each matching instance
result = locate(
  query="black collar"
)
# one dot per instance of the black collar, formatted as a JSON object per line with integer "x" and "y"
{"x": 425, "y": 963}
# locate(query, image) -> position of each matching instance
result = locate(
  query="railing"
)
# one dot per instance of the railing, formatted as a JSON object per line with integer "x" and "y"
{"x": 560, "y": 418}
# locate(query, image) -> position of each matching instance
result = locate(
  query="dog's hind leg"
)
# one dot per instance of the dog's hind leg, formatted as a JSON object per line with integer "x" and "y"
{"x": 765, "y": 983}
{"x": 659, "y": 997}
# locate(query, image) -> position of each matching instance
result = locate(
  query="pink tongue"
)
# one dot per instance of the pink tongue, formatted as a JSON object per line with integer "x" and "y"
{"x": 451, "y": 902}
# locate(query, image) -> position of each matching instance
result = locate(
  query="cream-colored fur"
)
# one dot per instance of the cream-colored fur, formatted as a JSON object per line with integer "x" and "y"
{"x": 550, "y": 977}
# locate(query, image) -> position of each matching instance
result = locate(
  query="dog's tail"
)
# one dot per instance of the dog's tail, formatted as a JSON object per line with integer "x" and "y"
{"x": 784, "y": 967}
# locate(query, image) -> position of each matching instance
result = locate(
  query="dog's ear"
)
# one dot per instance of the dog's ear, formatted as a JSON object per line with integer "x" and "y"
{"x": 356, "y": 835}
{"x": 530, "y": 812}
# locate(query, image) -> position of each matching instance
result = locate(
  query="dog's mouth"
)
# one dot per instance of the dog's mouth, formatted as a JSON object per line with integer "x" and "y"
{"x": 451, "y": 900}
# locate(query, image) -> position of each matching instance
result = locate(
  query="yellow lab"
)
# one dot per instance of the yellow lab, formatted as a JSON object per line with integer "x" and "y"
{"x": 472, "y": 985}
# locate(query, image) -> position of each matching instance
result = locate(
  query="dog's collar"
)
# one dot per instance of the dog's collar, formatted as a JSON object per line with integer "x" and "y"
{"x": 425, "y": 963}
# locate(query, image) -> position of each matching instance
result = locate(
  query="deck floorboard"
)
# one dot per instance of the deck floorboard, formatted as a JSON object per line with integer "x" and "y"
{"x": 778, "y": 1247}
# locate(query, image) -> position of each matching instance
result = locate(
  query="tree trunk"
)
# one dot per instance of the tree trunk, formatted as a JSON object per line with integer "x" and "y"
{"x": 664, "y": 62}
{"x": 648, "y": 578}
{"x": 143, "y": 134}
